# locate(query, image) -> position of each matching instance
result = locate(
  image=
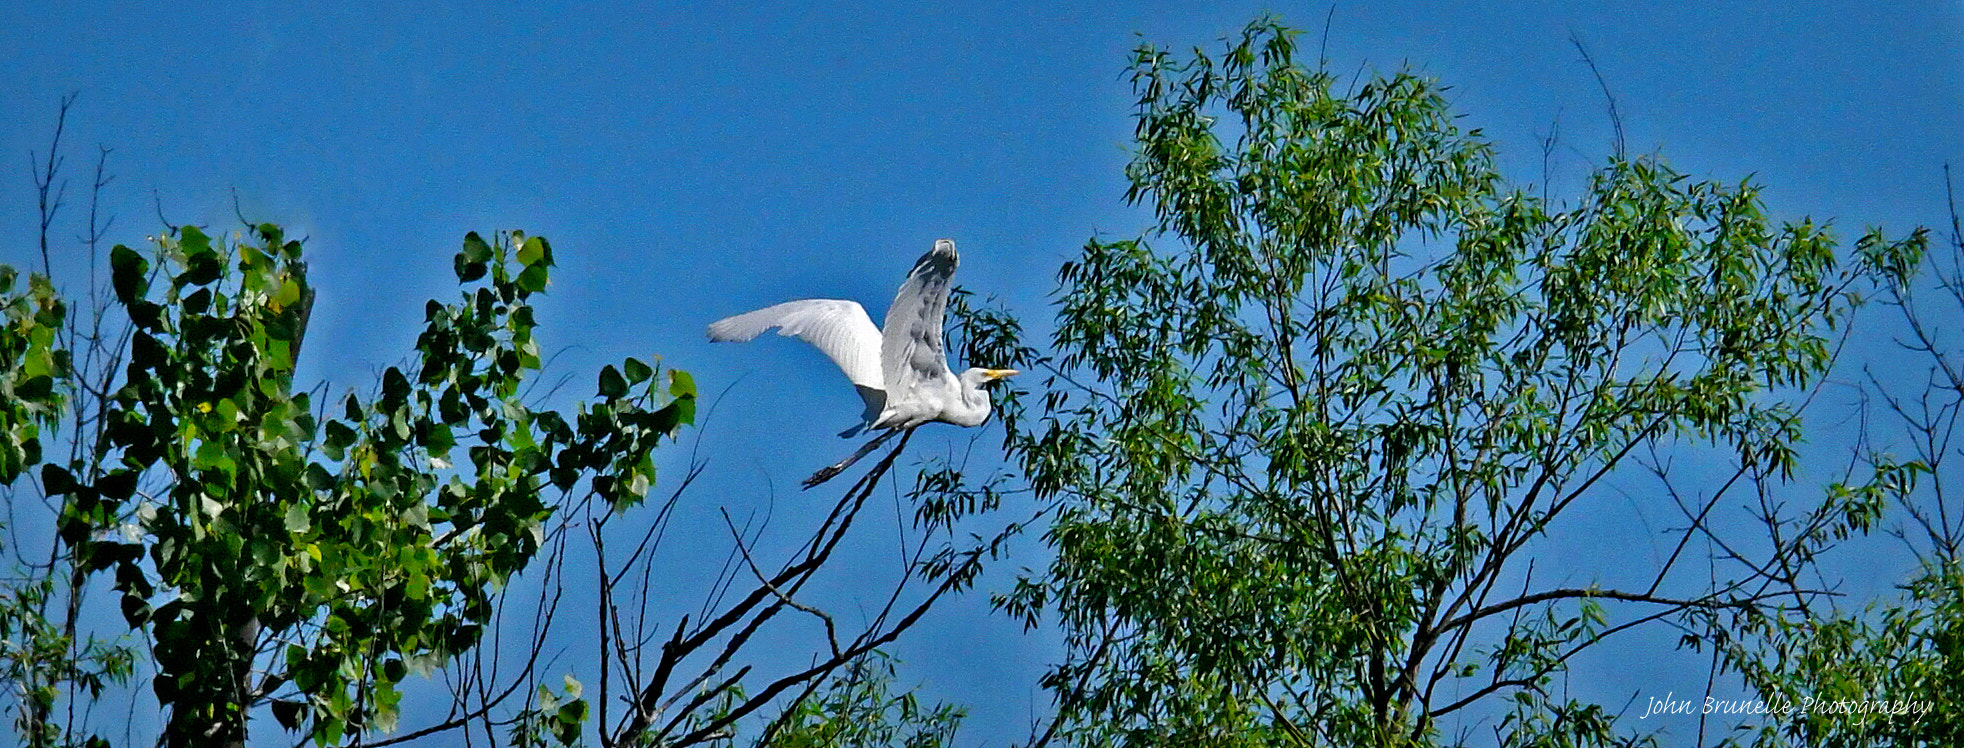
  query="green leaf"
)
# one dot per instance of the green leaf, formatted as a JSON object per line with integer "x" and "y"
{"x": 681, "y": 384}
{"x": 117, "y": 485}
{"x": 675, "y": 414}
{"x": 612, "y": 385}
{"x": 227, "y": 413}
{"x": 637, "y": 372}
{"x": 567, "y": 721}
{"x": 56, "y": 480}
{"x": 534, "y": 279}
{"x": 470, "y": 271}
{"x": 193, "y": 242}
{"x": 129, "y": 273}
{"x": 339, "y": 438}
{"x": 288, "y": 294}
{"x": 475, "y": 249}
{"x": 317, "y": 477}
{"x": 471, "y": 261}
{"x": 197, "y": 302}
{"x": 288, "y": 713}
{"x": 395, "y": 386}
{"x": 535, "y": 251}
{"x": 203, "y": 271}
{"x": 297, "y": 521}
{"x": 35, "y": 388}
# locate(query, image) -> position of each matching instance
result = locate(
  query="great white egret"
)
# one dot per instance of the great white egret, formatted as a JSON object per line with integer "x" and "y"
{"x": 902, "y": 374}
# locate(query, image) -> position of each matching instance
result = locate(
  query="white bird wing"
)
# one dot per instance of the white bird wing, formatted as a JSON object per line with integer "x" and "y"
{"x": 839, "y": 328}
{"x": 912, "y": 362}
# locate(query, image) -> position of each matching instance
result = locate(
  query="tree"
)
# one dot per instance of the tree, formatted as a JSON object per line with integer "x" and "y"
{"x": 49, "y": 657}
{"x": 271, "y": 554}
{"x": 1308, "y": 436}
{"x": 1886, "y": 669}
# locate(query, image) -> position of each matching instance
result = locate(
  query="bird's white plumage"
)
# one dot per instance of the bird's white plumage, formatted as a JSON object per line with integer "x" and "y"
{"x": 840, "y": 329}
{"x": 902, "y": 372}
{"x": 919, "y": 384}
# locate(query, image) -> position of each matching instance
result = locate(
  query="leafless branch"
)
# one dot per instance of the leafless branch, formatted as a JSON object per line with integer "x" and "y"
{"x": 1609, "y": 99}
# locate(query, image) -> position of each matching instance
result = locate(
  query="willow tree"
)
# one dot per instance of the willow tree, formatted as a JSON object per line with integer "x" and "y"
{"x": 1885, "y": 669}
{"x": 1310, "y": 434}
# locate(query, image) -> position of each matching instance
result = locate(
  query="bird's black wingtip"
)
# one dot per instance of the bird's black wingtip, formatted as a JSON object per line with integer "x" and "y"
{"x": 822, "y": 476}
{"x": 940, "y": 260}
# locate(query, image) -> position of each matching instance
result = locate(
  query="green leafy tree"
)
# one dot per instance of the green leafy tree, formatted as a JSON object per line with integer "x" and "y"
{"x": 55, "y": 369}
{"x": 1888, "y": 669}
{"x": 40, "y": 653}
{"x": 268, "y": 555}
{"x": 1309, "y": 435}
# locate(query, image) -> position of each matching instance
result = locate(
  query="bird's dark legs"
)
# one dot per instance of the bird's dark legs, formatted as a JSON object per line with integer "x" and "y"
{"x": 827, "y": 473}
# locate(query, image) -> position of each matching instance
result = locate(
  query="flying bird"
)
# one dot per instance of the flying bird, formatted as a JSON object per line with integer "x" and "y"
{"x": 902, "y": 372}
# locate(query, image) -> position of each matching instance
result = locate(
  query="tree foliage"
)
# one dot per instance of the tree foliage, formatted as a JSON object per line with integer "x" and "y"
{"x": 1886, "y": 669}
{"x": 30, "y": 363}
{"x": 1307, "y": 433}
{"x": 270, "y": 553}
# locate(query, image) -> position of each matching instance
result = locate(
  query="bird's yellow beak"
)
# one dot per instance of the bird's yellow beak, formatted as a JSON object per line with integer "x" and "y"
{"x": 991, "y": 375}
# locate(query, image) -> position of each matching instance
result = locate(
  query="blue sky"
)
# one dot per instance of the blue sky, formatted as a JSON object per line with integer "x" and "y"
{"x": 690, "y": 163}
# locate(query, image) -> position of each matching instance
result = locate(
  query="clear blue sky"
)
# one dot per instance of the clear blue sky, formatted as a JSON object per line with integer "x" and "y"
{"x": 689, "y": 164}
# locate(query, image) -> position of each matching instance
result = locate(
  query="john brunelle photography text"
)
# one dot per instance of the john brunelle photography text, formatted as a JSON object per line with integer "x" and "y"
{"x": 1670, "y": 704}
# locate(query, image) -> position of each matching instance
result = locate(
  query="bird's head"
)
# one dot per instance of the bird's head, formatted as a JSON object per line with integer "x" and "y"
{"x": 978, "y": 376}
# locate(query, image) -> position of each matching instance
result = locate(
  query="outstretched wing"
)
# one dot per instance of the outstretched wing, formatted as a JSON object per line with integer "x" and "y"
{"x": 912, "y": 362}
{"x": 839, "y": 328}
